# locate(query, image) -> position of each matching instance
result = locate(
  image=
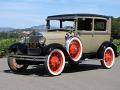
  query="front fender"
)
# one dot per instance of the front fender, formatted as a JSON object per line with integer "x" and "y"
{"x": 53, "y": 46}
{"x": 18, "y": 46}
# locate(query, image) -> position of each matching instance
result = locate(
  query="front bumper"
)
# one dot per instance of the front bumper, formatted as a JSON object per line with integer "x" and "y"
{"x": 28, "y": 58}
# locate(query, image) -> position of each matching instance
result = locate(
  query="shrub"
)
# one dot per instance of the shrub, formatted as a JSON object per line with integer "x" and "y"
{"x": 4, "y": 44}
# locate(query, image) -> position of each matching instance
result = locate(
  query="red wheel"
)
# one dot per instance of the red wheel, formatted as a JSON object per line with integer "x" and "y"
{"x": 74, "y": 49}
{"x": 55, "y": 62}
{"x": 108, "y": 58}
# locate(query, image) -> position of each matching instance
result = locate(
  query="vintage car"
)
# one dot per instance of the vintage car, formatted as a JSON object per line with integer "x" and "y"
{"x": 73, "y": 38}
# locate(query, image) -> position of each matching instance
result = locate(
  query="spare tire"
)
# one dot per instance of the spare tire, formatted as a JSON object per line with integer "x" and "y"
{"x": 74, "y": 48}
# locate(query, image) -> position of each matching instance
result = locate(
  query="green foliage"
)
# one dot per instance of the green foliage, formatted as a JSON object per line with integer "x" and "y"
{"x": 117, "y": 43}
{"x": 5, "y": 35}
{"x": 4, "y": 44}
{"x": 6, "y": 39}
{"x": 116, "y": 26}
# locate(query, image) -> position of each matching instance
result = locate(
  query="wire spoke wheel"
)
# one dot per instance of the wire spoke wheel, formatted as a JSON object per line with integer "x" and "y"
{"x": 55, "y": 62}
{"x": 75, "y": 49}
{"x": 15, "y": 66}
{"x": 108, "y": 58}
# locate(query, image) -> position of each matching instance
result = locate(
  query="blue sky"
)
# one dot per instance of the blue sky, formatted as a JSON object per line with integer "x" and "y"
{"x": 27, "y": 13}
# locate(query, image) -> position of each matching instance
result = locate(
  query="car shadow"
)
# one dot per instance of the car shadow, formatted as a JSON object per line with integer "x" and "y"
{"x": 40, "y": 70}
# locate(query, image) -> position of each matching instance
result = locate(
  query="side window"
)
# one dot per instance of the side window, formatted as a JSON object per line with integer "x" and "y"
{"x": 100, "y": 25}
{"x": 85, "y": 24}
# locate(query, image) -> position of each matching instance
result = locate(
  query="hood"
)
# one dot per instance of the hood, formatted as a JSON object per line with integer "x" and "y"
{"x": 55, "y": 37}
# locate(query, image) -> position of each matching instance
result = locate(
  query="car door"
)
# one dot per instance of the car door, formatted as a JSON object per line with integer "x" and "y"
{"x": 101, "y": 31}
{"x": 85, "y": 31}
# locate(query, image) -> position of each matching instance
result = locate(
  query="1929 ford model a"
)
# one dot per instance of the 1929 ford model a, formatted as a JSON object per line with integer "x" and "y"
{"x": 83, "y": 36}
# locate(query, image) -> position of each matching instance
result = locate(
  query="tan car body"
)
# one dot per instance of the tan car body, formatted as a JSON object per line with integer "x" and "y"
{"x": 91, "y": 40}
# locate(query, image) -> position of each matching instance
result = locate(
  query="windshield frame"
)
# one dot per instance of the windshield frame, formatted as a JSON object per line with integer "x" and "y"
{"x": 61, "y": 28}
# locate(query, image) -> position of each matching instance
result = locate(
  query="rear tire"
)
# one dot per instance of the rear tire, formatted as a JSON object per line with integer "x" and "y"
{"x": 108, "y": 58}
{"x": 55, "y": 62}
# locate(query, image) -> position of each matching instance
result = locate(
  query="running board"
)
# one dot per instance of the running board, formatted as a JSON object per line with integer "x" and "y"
{"x": 29, "y": 58}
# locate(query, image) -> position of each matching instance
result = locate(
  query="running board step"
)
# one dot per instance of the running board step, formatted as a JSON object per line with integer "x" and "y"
{"x": 29, "y": 58}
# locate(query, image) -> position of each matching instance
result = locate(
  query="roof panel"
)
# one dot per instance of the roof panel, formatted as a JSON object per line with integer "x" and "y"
{"x": 73, "y": 16}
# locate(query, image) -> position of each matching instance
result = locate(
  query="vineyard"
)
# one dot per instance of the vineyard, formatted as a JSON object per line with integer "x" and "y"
{"x": 4, "y": 44}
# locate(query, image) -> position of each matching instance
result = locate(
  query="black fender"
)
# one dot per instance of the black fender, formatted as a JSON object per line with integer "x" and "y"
{"x": 18, "y": 46}
{"x": 103, "y": 47}
{"x": 53, "y": 46}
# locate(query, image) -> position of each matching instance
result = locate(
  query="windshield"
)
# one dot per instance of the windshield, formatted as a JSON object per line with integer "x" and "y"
{"x": 61, "y": 25}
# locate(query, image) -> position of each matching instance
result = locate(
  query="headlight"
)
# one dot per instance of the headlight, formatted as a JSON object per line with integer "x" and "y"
{"x": 42, "y": 40}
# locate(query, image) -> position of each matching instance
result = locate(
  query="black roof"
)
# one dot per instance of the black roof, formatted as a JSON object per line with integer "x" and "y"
{"x": 73, "y": 16}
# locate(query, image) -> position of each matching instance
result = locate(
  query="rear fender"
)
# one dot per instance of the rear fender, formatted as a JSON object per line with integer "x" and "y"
{"x": 103, "y": 46}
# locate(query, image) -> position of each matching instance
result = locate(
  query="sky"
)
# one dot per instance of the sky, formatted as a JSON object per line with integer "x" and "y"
{"x": 28, "y": 13}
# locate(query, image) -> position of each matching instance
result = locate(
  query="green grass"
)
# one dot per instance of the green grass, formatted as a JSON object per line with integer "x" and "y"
{"x": 4, "y": 44}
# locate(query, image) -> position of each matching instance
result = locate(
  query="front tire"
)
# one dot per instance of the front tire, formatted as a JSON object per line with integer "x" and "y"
{"x": 108, "y": 58}
{"x": 55, "y": 62}
{"x": 15, "y": 66}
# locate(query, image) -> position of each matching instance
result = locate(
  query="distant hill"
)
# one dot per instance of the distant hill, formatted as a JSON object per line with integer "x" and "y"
{"x": 5, "y": 29}
{"x": 40, "y": 27}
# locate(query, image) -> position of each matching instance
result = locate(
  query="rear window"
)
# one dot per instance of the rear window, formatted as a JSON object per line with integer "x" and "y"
{"x": 99, "y": 25}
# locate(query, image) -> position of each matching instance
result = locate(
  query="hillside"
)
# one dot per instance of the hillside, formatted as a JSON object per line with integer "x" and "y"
{"x": 5, "y": 29}
{"x": 41, "y": 28}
